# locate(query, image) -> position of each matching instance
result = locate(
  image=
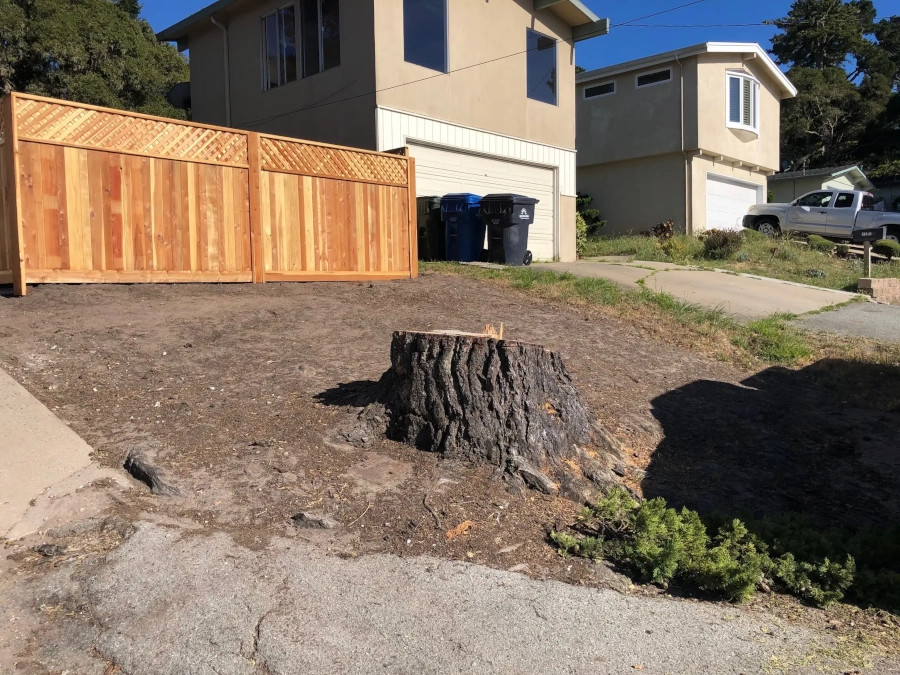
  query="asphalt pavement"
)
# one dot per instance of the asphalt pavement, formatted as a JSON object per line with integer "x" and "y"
{"x": 864, "y": 319}
{"x": 172, "y": 601}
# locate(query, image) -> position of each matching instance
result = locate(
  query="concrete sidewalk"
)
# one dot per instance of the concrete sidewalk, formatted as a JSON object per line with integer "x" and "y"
{"x": 745, "y": 297}
{"x": 41, "y": 460}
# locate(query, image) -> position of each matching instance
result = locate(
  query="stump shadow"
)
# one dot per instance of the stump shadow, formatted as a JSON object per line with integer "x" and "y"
{"x": 357, "y": 394}
{"x": 822, "y": 441}
{"x": 820, "y": 445}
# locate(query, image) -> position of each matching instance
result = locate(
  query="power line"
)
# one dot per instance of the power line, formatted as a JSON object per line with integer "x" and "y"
{"x": 694, "y": 25}
{"x": 649, "y": 16}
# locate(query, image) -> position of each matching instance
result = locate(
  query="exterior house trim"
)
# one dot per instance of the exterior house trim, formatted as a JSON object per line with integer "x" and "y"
{"x": 752, "y": 50}
{"x": 742, "y": 75}
{"x": 395, "y": 127}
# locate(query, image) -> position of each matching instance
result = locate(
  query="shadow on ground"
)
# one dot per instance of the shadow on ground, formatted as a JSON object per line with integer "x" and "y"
{"x": 820, "y": 445}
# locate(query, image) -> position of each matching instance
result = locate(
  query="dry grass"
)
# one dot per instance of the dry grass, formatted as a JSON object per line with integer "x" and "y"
{"x": 782, "y": 258}
{"x": 771, "y": 340}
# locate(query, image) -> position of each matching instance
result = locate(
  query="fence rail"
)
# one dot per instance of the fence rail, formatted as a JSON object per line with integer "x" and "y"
{"x": 90, "y": 194}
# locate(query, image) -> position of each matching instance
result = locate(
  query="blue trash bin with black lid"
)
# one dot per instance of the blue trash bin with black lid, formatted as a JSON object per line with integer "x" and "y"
{"x": 464, "y": 226}
{"x": 508, "y": 218}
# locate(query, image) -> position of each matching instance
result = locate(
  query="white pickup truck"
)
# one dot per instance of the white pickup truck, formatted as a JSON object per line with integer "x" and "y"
{"x": 830, "y": 213}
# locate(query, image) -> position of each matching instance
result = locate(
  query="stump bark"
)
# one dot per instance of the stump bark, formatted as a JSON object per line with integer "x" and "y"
{"x": 509, "y": 403}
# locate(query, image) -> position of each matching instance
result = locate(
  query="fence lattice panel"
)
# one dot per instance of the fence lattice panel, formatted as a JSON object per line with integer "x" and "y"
{"x": 100, "y": 130}
{"x": 331, "y": 162}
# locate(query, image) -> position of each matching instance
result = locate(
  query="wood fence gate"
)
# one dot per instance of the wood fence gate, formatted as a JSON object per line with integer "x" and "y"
{"x": 97, "y": 195}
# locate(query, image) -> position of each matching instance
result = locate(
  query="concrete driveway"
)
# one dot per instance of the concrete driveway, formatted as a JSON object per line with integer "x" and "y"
{"x": 743, "y": 296}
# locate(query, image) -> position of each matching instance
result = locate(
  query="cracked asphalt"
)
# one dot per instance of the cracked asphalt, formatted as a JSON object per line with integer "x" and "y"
{"x": 171, "y": 601}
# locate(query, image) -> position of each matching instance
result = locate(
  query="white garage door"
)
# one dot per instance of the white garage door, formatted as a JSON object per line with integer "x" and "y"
{"x": 727, "y": 202}
{"x": 440, "y": 172}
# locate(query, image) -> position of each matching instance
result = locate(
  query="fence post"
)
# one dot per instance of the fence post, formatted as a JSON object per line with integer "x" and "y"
{"x": 13, "y": 215}
{"x": 257, "y": 259}
{"x": 413, "y": 217}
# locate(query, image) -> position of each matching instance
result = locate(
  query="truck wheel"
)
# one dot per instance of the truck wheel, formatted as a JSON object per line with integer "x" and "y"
{"x": 768, "y": 227}
{"x": 893, "y": 233}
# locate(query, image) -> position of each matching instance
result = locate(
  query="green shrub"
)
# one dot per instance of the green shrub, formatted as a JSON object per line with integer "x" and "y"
{"x": 753, "y": 235}
{"x": 822, "y": 583}
{"x": 887, "y": 247}
{"x": 821, "y": 244}
{"x": 721, "y": 244}
{"x": 664, "y": 546}
{"x": 842, "y": 250}
{"x": 675, "y": 249}
{"x": 581, "y": 234}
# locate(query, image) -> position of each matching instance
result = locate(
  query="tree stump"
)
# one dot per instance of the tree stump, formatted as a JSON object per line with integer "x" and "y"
{"x": 508, "y": 403}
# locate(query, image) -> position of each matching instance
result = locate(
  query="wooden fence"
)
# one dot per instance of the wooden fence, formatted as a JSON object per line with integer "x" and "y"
{"x": 90, "y": 194}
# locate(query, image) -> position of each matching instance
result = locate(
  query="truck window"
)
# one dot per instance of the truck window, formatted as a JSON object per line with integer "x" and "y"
{"x": 868, "y": 203}
{"x": 844, "y": 200}
{"x": 815, "y": 199}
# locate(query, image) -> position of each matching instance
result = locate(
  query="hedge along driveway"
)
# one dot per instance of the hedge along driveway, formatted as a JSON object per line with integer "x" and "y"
{"x": 744, "y": 297}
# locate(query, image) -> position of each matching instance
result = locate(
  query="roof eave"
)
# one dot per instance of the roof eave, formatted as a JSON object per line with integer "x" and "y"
{"x": 788, "y": 90}
{"x": 178, "y": 31}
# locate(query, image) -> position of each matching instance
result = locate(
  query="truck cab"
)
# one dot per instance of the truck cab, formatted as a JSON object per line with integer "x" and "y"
{"x": 829, "y": 213}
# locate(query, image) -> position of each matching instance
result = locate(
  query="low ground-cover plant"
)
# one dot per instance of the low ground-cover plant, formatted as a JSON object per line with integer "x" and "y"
{"x": 731, "y": 558}
{"x": 721, "y": 244}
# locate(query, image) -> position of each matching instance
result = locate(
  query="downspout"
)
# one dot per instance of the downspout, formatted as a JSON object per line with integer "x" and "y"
{"x": 688, "y": 168}
{"x": 224, "y": 30}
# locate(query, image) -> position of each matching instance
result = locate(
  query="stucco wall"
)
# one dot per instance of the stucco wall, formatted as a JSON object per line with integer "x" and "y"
{"x": 207, "y": 76}
{"x": 346, "y": 122}
{"x": 701, "y": 167}
{"x": 714, "y": 135}
{"x": 634, "y": 122}
{"x": 493, "y": 96}
{"x": 635, "y": 195}
{"x": 786, "y": 190}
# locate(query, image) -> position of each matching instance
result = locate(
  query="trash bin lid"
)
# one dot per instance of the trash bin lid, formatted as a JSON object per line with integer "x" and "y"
{"x": 464, "y": 197}
{"x": 509, "y": 197}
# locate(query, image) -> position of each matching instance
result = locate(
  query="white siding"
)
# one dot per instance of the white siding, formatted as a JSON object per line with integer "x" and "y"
{"x": 396, "y": 129}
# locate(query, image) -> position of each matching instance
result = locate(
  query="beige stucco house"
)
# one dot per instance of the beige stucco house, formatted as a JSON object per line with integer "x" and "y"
{"x": 787, "y": 186}
{"x": 482, "y": 92}
{"x": 689, "y": 135}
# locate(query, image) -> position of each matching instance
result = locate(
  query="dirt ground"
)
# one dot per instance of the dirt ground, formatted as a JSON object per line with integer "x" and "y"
{"x": 235, "y": 393}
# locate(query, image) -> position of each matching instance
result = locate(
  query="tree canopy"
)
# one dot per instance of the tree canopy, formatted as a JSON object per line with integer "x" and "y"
{"x": 846, "y": 67}
{"x": 92, "y": 51}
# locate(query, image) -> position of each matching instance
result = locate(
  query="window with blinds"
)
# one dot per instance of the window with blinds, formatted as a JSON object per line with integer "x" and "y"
{"x": 743, "y": 102}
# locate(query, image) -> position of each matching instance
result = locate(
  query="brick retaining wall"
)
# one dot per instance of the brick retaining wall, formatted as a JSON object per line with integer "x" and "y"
{"x": 882, "y": 290}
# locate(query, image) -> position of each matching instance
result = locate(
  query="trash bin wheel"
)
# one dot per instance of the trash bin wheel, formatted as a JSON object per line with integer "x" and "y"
{"x": 528, "y": 258}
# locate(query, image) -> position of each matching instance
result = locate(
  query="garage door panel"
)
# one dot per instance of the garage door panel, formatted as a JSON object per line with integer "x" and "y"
{"x": 727, "y": 202}
{"x": 440, "y": 172}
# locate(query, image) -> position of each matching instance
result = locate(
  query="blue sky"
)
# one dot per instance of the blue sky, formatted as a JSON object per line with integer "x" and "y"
{"x": 624, "y": 42}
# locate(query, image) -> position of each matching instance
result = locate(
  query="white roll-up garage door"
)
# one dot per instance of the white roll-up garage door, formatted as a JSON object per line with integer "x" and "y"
{"x": 727, "y": 202}
{"x": 441, "y": 171}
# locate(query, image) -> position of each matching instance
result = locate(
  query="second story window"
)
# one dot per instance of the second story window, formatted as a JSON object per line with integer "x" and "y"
{"x": 600, "y": 90}
{"x": 658, "y": 77}
{"x": 743, "y": 102}
{"x": 541, "y": 67}
{"x": 425, "y": 33}
{"x": 279, "y": 48}
{"x": 320, "y": 35}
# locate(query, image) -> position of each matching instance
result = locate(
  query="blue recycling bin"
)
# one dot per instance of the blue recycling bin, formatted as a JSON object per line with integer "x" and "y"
{"x": 465, "y": 227}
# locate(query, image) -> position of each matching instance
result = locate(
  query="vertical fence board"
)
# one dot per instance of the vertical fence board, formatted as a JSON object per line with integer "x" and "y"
{"x": 103, "y": 195}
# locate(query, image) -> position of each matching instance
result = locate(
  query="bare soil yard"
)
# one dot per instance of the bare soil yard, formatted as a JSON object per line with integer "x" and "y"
{"x": 240, "y": 395}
